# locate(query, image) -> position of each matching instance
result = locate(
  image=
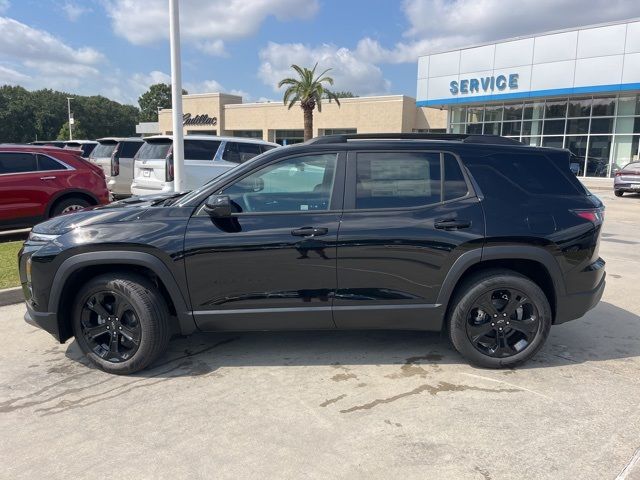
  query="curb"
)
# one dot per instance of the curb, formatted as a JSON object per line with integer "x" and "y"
{"x": 9, "y": 296}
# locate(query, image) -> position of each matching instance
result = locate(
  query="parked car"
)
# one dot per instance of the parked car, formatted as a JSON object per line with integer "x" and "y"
{"x": 37, "y": 183}
{"x": 206, "y": 157}
{"x": 85, "y": 146}
{"x": 115, "y": 156}
{"x": 49, "y": 143}
{"x": 481, "y": 237}
{"x": 627, "y": 179}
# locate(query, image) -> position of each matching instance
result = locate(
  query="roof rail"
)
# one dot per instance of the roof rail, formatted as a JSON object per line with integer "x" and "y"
{"x": 462, "y": 137}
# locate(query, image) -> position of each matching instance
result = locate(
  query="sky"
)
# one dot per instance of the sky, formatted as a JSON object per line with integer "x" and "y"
{"x": 118, "y": 48}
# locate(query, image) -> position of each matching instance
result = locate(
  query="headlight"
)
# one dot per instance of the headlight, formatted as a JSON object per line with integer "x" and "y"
{"x": 41, "y": 237}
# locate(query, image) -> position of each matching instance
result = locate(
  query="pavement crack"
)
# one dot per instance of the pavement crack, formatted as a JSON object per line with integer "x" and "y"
{"x": 432, "y": 390}
{"x": 333, "y": 400}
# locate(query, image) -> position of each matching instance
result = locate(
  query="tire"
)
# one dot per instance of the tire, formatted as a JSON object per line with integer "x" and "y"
{"x": 69, "y": 205}
{"x": 512, "y": 345}
{"x": 133, "y": 310}
{"x": 618, "y": 193}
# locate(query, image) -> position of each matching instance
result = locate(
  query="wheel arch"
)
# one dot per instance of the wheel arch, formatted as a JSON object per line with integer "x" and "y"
{"x": 537, "y": 264}
{"x": 60, "y": 196}
{"x": 75, "y": 270}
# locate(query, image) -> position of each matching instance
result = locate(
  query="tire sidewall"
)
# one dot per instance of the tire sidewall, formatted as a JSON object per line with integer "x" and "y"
{"x": 67, "y": 202}
{"x": 145, "y": 353}
{"x": 465, "y": 302}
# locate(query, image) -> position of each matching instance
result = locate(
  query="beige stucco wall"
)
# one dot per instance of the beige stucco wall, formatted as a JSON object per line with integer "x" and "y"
{"x": 389, "y": 113}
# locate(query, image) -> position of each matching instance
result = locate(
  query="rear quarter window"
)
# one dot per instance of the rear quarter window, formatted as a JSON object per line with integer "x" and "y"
{"x": 513, "y": 174}
{"x": 200, "y": 149}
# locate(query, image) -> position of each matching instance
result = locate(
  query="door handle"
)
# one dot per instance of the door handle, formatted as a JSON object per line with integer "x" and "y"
{"x": 309, "y": 231}
{"x": 47, "y": 178}
{"x": 451, "y": 224}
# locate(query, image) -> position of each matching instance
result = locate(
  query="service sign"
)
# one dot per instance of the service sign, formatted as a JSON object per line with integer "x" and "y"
{"x": 486, "y": 85}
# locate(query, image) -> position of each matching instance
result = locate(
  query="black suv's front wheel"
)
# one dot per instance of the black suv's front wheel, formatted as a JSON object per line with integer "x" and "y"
{"x": 121, "y": 322}
{"x": 499, "y": 319}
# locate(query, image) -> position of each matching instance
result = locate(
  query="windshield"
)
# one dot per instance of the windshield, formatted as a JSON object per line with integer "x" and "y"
{"x": 103, "y": 150}
{"x": 154, "y": 150}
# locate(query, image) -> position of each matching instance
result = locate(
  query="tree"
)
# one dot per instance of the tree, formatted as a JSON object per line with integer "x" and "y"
{"x": 308, "y": 89}
{"x": 158, "y": 95}
{"x": 78, "y": 132}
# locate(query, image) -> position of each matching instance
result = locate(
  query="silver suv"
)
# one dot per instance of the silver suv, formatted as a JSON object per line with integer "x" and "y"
{"x": 115, "y": 156}
{"x": 206, "y": 157}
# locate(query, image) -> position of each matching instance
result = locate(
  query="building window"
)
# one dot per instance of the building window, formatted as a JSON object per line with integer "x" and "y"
{"x": 202, "y": 132}
{"x": 338, "y": 131}
{"x": 289, "y": 137}
{"x": 247, "y": 133}
{"x": 603, "y": 132}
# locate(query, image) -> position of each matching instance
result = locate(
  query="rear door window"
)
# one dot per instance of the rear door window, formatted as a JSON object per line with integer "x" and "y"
{"x": 397, "y": 179}
{"x": 17, "y": 163}
{"x": 154, "y": 150}
{"x": 200, "y": 149}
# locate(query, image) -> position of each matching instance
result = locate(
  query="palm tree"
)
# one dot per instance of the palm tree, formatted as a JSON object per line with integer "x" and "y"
{"x": 309, "y": 91}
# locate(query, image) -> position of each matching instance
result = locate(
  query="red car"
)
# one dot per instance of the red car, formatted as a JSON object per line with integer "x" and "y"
{"x": 37, "y": 183}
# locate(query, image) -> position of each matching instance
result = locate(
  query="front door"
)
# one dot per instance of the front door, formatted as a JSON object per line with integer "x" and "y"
{"x": 272, "y": 265}
{"x": 408, "y": 215}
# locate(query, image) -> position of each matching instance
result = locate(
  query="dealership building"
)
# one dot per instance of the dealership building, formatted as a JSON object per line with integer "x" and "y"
{"x": 577, "y": 89}
{"x": 224, "y": 114}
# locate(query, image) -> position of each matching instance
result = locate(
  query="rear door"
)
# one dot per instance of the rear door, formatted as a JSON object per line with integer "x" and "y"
{"x": 408, "y": 216}
{"x": 27, "y": 183}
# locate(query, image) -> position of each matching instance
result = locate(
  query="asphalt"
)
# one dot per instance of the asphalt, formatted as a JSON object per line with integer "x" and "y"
{"x": 372, "y": 405}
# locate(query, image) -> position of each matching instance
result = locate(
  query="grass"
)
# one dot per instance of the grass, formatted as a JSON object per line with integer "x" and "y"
{"x": 9, "y": 264}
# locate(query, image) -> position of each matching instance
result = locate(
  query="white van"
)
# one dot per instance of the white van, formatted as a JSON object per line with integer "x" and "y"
{"x": 115, "y": 156}
{"x": 205, "y": 157}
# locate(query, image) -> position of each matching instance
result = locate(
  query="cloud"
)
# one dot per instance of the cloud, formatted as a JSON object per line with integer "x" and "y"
{"x": 351, "y": 71}
{"x": 73, "y": 11}
{"x": 22, "y": 42}
{"x": 205, "y": 23}
{"x": 9, "y": 76}
{"x": 436, "y": 25}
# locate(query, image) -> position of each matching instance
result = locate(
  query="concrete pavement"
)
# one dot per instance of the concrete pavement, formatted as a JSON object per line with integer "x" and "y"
{"x": 338, "y": 404}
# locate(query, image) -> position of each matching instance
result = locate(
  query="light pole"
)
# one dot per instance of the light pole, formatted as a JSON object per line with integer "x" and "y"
{"x": 176, "y": 96}
{"x": 70, "y": 118}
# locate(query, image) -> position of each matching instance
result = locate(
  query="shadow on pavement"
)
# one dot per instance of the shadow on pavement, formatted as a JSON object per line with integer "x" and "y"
{"x": 606, "y": 333}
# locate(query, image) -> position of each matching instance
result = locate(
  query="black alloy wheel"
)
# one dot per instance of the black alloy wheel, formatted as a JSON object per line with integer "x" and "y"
{"x": 110, "y": 326}
{"x": 502, "y": 322}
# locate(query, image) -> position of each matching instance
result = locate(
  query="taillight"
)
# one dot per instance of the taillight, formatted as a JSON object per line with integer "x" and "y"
{"x": 618, "y": 173}
{"x": 594, "y": 215}
{"x": 168, "y": 168}
{"x": 115, "y": 163}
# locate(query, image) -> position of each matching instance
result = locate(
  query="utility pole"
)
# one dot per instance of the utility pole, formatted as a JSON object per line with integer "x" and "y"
{"x": 70, "y": 117}
{"x": 176, "y": 96}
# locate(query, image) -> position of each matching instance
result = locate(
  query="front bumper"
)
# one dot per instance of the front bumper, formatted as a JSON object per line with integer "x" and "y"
{"x": 45, "y": 320}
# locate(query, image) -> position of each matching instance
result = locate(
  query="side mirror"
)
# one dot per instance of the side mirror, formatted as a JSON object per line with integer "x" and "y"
{"x": 218, "y": 206}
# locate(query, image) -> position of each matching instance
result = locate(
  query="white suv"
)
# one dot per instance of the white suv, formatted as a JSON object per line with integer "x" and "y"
{"x": 205, "y": 157}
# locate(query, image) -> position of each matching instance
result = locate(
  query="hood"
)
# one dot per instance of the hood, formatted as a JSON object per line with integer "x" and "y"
{"x": 132, "y": 208}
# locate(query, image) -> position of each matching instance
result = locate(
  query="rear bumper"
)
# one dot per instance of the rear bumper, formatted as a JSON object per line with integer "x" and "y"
{"x": 141, "y": 190}
{"x": 45, "y": 320}
{"x": 576, "y": 305}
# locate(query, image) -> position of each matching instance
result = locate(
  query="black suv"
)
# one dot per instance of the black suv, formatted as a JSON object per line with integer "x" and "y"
{"x": 482, "y": 237}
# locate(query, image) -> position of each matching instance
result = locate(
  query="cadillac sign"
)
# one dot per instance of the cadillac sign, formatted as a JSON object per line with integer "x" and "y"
{"x": 203, "y": 119}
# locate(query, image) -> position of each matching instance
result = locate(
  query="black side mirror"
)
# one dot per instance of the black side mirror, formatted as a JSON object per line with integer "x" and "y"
{"x": 218, "y": 206}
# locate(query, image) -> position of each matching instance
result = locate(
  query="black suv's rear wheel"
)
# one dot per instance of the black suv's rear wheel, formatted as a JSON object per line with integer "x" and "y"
{"x": 499, "y": 319}
{"x": 121, "y": 322}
